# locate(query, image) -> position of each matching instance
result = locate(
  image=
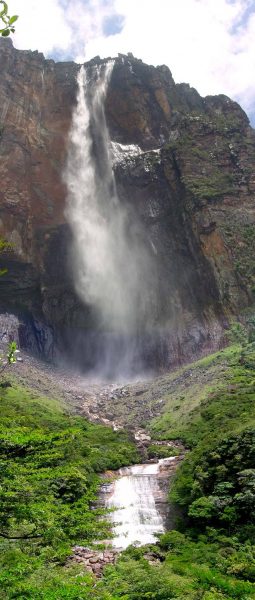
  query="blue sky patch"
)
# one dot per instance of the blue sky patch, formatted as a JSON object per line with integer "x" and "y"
{"x": 249, "y": 9}
{"x": 113, "y": 24}
{"x": 61, "y": 55}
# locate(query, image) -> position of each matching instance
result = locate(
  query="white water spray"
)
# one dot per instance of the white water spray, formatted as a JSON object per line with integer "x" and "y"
{"x": 110, "y": 260}
{"x": 134, "y": 495}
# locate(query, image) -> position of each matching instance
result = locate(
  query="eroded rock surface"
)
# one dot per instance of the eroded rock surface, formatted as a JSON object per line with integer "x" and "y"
{"x": 184, "y": 166}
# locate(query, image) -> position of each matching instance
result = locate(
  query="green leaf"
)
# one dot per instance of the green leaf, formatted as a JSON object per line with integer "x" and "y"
{"x": 13, "y": 19}
{"x": 5, "y": 8}
{"x": 5, "y": 33}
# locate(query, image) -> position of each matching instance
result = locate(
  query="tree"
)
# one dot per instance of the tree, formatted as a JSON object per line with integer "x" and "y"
{"x": 6, "y": 22}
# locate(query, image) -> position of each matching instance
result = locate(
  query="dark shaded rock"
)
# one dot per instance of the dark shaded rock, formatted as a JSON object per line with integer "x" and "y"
{"x": 5, "y": 384}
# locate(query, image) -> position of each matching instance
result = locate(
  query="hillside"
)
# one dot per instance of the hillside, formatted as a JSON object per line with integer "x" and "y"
{"x": 52, "y": 455}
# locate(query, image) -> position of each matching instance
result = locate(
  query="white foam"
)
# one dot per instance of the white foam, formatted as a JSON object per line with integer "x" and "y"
{"x": 136, "y": 518}
{"x": 122, "y": 152}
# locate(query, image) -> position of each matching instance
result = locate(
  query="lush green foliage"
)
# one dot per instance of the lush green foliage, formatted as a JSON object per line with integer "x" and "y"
{"x": 158, "y": 451}
{"x": 216, "y": 399}
{"x": 211, "y": 568}
{"x": 7, "y": 25}
{"x": 50, "y": 461}
{"x": 215, "y": 558}
{"x": 224, "y": 483}
{"x": 208, "y": 569}
{"x": 215, "y": 483}
{"x": 48, "y": 480}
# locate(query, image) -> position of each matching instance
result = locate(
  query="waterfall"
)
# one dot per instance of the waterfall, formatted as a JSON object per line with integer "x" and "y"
{"x": 133, "y": 496}
{"x": 110, "y": 260}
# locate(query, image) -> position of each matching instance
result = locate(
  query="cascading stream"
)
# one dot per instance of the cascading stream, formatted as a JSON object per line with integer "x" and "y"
{"x": 110, "y": 260}
{"x": 133, "y": 496}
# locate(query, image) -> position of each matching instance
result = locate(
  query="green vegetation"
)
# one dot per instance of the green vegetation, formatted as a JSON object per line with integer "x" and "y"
{"x": 209, "y": 568}
{"x": 243, "y": 251}
{"x": 223, "y": 490}
{"x": 212, "y": 397}
{"x": 6, "y": 22}
{"x": 213, "y": 555}
{"x": 9, "y": 357}
{"x": 210, "y": 167}
{"x": 215, "y": 483}
{"x": 210, "y": 185}
{"x": 158, "y": 451}
{"x": 222, "y": 418}
{"x": 50, "y": 462}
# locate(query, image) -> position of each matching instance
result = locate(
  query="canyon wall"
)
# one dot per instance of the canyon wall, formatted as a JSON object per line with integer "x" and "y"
{"x": 184, "y": 168}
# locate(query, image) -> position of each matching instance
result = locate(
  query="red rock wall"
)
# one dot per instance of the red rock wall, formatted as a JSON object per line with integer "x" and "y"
{"x": 194, "y": 197}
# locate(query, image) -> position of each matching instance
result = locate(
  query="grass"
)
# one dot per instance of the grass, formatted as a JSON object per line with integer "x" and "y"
{"x": 209, "y": 398}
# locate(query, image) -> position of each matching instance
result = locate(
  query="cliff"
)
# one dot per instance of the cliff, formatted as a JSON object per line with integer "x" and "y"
{"x": 183, "y": 164}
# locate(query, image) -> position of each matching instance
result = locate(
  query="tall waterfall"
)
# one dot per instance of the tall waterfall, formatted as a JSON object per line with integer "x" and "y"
{"x": 110, "y": 261}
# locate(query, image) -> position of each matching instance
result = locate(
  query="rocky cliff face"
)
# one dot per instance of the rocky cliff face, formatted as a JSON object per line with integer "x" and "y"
{"x": 183, "y": 164}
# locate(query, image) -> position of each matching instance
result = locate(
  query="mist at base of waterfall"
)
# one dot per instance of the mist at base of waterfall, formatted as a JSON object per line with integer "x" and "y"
{"x": 108, "y": 357}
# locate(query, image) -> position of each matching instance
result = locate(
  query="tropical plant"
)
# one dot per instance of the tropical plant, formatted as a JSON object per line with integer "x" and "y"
{"x": 6, "y": 22}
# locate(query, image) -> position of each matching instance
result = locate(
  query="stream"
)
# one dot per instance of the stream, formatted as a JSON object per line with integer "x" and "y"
{"x": 138, "y": 497}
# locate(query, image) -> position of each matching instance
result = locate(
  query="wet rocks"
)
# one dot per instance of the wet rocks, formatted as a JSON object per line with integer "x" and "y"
{"x": 94, "y": 560}
{"x": 138, "y": 495}
{"x": 142, "y": 436}
{"x": 153, "y": 558}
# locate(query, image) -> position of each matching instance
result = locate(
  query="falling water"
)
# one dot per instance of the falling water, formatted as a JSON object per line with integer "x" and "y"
{"x": 134, "y": 498}
{"x": 110, "y": 260}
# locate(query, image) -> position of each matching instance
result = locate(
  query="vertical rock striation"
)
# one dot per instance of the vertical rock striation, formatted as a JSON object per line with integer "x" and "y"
{"x": 184, "y": 169}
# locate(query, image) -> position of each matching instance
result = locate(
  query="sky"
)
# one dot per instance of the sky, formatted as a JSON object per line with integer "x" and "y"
{"x": 209, "y": 44}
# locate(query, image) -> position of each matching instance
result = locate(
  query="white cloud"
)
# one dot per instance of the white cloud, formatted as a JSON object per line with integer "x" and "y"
{"x": 41, "y": 25}
{"x": 58, "y": 25}
{"x": 198, "y": 39}
{"x": 206, "y": 43}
